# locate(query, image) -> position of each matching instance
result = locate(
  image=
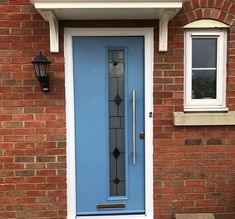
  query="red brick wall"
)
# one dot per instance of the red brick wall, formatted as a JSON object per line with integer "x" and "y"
{"x": 194, "y": 167}
{"x": 32, "y": 124}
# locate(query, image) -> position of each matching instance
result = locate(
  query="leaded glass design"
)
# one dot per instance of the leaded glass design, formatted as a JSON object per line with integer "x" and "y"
{"x": 116, "y": 122}
{"x": 118, "y": 100}
{"x": 204, "y": 68}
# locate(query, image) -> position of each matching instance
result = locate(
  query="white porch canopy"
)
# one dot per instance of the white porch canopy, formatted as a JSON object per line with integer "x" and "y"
{"x": 54, "y": 10}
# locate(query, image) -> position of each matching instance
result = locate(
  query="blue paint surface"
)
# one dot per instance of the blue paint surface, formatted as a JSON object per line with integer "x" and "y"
{"x": 91, "y": 123}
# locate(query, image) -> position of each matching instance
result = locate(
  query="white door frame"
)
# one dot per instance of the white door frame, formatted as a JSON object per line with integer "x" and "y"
{"x": 147, "y": 33}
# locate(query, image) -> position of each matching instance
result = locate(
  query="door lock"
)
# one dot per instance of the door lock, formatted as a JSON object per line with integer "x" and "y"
{"x": 142, "y": 135}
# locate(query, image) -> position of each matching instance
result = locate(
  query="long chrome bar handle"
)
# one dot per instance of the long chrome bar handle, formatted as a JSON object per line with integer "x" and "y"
{"x": 133, "y": 126}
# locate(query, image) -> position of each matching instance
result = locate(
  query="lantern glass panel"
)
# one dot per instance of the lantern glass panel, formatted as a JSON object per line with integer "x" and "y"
{"x": 42, "y": 69}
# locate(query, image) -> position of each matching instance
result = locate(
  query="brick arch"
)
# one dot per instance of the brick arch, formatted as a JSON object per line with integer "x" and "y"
{"x": 220, "y": 10}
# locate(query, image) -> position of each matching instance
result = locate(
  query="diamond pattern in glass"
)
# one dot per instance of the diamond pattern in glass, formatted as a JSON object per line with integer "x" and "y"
{"x": 116, "y": 153}
{"x": 116, "y": 181}
{"x": 118, "y": 100}
{"x": 115, "y": 63}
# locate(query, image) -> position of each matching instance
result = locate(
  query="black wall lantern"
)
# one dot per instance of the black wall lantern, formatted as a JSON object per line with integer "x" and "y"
{"x": 41, "y": 67}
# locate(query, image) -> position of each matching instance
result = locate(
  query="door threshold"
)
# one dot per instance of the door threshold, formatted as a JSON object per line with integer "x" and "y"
{"x": 126, "y": 216}
{"x": 112, "y": 214}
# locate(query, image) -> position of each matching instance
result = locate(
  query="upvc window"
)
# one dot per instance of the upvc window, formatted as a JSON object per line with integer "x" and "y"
{"x": 205, "y": 70}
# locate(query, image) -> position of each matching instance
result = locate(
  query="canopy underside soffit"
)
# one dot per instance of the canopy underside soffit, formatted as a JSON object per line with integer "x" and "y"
{"x": 54, "y": 10}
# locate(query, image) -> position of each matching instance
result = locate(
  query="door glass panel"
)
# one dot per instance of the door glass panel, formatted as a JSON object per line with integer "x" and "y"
{"x": 116, "y": 124}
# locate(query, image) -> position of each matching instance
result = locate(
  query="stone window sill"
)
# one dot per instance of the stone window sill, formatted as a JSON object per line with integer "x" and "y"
{"x": 204, "y": 119}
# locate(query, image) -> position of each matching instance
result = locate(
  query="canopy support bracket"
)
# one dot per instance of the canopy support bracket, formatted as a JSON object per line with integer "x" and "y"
{"x": 163, "y": 29}
{"x": 49, "y": 16}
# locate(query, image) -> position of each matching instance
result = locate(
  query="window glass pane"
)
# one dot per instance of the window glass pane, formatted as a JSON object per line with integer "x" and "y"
{"x": 116, "y": 124}
{"x": 204, "y": 53}
{"x": 203, "y": 84}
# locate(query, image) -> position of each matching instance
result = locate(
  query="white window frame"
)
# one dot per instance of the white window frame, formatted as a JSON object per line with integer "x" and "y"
{"x": 218, "y": 104}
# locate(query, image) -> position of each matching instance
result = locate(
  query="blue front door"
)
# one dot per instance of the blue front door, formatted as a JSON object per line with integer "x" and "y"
{"x": 109, "y": 125}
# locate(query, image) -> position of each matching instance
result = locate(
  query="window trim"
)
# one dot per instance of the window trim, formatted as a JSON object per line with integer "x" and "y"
{"x": 218, "y": 104}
